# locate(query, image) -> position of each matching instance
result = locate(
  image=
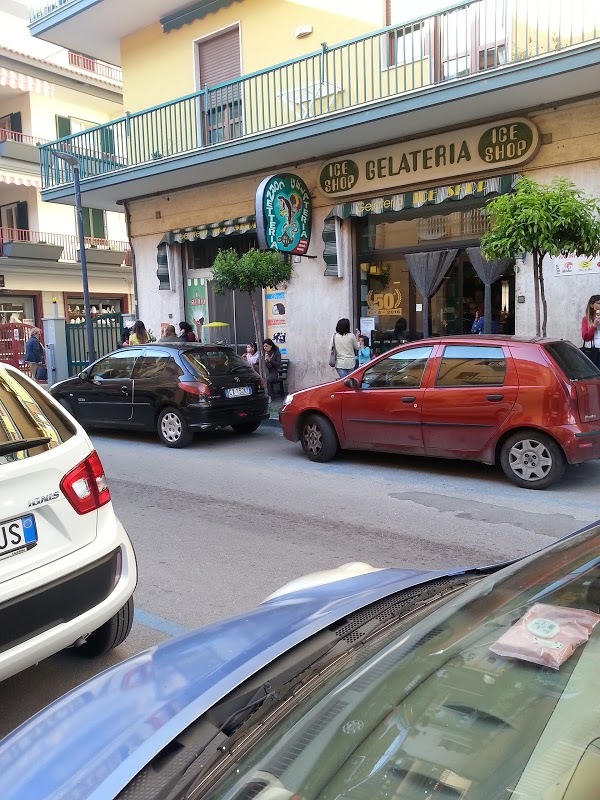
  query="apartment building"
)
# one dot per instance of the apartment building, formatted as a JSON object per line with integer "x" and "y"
{"x": 398, "y": 126}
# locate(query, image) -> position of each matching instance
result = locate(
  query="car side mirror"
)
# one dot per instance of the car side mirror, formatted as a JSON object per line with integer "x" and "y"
{"x": 351, "y": 383}
{"x": 84, "y": 376}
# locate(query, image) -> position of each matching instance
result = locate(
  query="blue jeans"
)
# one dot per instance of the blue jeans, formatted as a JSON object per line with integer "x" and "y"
{"x": 343, "y": 372}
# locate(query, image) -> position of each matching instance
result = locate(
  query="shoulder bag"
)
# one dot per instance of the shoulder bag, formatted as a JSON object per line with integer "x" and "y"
{"x": 592, "y": 353}
{"x": 332, "y": 354}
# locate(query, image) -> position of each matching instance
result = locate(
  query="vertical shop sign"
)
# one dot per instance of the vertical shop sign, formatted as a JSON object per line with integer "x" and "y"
{"x": 276, "y": 327}
{"x": 283, "y": 214}
{"x": 197, "y": 307}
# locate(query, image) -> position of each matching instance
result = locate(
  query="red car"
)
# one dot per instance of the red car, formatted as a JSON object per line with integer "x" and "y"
{"x": 532, "y": 405}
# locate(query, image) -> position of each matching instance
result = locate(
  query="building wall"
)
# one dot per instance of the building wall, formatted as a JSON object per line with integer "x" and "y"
{"x": 158, "y": 67}
{"x": 68, "y": 103}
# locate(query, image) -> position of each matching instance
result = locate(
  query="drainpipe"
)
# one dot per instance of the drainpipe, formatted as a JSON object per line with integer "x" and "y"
{"x": 135, "y": 287}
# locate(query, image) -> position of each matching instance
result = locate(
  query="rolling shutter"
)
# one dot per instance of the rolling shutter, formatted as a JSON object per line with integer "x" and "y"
{"x": 219, "y": 58}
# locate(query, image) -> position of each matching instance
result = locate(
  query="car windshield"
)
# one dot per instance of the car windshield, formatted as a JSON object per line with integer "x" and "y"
{"x": 216, "y": 361}
{"x": 27, "y": 417}
{"x": 430, "y": 711}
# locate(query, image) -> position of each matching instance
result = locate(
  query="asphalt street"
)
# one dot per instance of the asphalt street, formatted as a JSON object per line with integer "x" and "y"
{"x": 221, "y": 524}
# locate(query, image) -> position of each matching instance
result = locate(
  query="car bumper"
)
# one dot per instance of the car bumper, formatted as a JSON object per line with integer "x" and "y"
{"x": 59, "y": 603}
{"x": 203, "y": 417}
{"x": 579, "y": 444}
{"x": 289, "y": 424}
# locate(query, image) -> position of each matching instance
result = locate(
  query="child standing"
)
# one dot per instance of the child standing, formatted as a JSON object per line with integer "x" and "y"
{"x": 364, "y": 352}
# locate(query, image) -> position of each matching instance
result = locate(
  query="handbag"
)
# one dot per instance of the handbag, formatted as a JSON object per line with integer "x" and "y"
{"x": 593, "y": 353}
{"x": 41, "y": 374}
{"x": 332, "y": 354}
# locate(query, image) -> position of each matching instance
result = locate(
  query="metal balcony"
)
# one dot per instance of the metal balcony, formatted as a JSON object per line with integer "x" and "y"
{"x": 20, "y": 243}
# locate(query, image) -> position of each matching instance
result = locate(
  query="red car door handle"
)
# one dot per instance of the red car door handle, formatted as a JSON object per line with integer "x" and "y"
{"x": 408, "y": 399}
{"x": 495, "y": 398}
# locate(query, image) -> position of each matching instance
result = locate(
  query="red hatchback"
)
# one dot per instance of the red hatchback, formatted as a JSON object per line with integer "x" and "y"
{"x": 532, "y": 405}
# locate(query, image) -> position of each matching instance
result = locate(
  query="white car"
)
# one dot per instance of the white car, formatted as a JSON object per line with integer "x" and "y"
{"x": 67, "y": 567}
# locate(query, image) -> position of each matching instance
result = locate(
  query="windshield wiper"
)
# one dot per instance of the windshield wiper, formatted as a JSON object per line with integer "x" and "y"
{"x": 22, "y": 444}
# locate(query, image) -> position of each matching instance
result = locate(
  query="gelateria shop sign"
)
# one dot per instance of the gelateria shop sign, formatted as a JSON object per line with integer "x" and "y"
{"x": 283, "y": 214}
{"x": 479, "y": 150}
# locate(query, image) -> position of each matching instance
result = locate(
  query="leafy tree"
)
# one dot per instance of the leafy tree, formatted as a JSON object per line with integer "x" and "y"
{"x": 256, "y": 269}
{"x": 542, "y": 220}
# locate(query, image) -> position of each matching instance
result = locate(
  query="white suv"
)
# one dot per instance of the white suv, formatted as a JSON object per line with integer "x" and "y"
{"x": 67, "y": 567}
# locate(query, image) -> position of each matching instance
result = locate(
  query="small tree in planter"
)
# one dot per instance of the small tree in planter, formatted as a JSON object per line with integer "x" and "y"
{"x": 256, "y": 269}
{"x": 541, "y": 220}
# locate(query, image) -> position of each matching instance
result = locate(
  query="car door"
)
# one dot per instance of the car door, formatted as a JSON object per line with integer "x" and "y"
{"x": 105, "y": 396}
{"x": 473, "y": 392}
{"x": 384, "y": 411}
{"x": 155, "y": 379}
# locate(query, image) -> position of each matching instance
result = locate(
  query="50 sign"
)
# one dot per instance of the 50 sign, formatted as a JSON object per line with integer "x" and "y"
{"x": 385, "y": 303}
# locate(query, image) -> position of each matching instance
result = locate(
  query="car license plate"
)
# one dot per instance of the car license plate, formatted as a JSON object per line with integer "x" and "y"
{"x": 239, "y": 391}
{"x": 17, "y": 534}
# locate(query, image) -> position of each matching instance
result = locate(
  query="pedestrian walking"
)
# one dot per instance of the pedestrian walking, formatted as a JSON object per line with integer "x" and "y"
{"x": 272, "y": 362}
{"x": 186, "y": 332}
{"x": 344, "y": 347}
{"x": 34, "y": 353}
{"x": 364, "y": 351}
{"x": 169, "y": 335}
{"x": 139, "y": 334}
{"x": 590, "y": 330}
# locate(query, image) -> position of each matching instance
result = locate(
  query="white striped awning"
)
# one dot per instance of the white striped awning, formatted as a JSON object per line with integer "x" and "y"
{"x": 20, "y": 180}
{"x": 24, "y": 83}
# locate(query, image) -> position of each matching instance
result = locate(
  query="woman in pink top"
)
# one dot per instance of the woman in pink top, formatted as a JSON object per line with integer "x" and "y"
{"x": 590, "y": 329}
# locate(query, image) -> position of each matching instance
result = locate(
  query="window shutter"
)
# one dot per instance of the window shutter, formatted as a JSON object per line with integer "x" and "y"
{"x": 63, "y": 126}
{"x": 87, "y": 222}
{"x": 22, "y": 217}
{"x": 330, "y": 250}
{"x": 98, "y": 226}
{"x": 162, "y": 267}
{"x": 219, "y": 58}
{"x": 15, "y": 122}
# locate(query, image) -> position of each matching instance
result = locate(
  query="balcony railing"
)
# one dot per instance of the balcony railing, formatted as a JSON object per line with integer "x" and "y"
{"x": 69, "y": 244}
{"x": 98, "y": 68}
{"x": 24, "y": 138}
{"x": 39, "y": 10}
{"x": 478, "y": 36}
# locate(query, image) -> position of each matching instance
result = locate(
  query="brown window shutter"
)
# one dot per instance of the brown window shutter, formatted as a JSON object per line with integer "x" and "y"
{"x": 219, "y": 58}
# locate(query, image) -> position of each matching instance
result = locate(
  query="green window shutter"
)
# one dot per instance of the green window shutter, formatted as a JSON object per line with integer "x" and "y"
{"x": 15, "y": 122}
{"x": 87, "y": 222}
{"x": 22, "y": 217}
{"x": 63, "y": 126}
{"x": 107, "y": 140}
{"x": 330, "y": 249}
{"x": 98, "y": 226}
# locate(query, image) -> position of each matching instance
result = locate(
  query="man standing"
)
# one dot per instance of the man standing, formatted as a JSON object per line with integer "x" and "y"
{"x": 34, "y": 352}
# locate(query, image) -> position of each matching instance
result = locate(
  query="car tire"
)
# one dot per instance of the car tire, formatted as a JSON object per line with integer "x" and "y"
{"x": 246, "y": 427}
{"x": 110, "y": 635}
{"x": 173, "y": 430}
{"x": 318, "y": 438}
{"x": 532, "y": 459}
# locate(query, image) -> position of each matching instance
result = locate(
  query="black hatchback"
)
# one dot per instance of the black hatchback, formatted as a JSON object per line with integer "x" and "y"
{"x": 175, "y": 389}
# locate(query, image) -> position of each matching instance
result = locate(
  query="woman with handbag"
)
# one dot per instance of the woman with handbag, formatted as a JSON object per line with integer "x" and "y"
{"x": 590, "y": 330}
{"x": 344, "y": 348}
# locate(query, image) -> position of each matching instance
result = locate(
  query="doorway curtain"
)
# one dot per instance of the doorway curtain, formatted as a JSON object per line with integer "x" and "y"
{"x": 489, "y": 272}
{"x": 427, "y": 271}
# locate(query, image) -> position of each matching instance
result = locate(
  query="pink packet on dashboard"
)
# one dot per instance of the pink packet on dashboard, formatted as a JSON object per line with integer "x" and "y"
{"x": 546, "y": 635}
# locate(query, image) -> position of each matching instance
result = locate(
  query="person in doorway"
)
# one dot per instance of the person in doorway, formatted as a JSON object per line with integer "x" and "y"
{"x": 186, "y": 332}
{"x": 400, "y": 330}
{"x": 124, "y": 341}
{"x": 169, "y": 335}
{"x": 364, "y": 351}
{"x": 34, "y": 353}
{"x": 272, "y": 362}
{"x": 590, "y": 329}
{"x": 346, "y": 347}
{"x": 139, "y": 334}
{"x": 479, "y": 324}
{"x": 251, "y": 354}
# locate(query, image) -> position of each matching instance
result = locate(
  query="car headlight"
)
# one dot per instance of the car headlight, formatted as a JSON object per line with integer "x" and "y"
{"x": 288, "y": 400}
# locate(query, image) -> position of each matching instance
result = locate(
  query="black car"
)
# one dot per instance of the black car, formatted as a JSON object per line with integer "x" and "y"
{"x": 175, "y": 389}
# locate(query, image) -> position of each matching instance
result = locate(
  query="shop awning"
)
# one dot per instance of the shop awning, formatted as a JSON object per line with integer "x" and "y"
{"x": 20, "y": 180}
{"x": 192, "y": 12}
{"x": 24, "y": 83}
{"x": 439, "y": 200}
{"x": 227, "y": 227}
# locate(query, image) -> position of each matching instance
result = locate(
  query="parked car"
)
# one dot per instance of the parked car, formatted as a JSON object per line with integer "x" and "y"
{"x": 67, "y": 567}
{"x": 531, "y": 405}
{"x": 358, "y": 683}
{"x": 175, "y": 389}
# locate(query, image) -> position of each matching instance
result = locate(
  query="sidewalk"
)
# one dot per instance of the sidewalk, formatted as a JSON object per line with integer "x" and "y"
{"x": 274, "y": 406}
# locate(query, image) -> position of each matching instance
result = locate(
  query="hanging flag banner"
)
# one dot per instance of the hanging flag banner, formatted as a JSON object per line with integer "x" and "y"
{"x": 283, "y": 214}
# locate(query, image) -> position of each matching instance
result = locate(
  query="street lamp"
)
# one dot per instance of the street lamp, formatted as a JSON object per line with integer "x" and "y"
{"x": 73, "y": 162}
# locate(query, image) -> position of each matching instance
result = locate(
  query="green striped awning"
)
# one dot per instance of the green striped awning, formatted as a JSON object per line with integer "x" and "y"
{"x": 439, "y": 200}
{"x": 192, "y": 12}
{"x": 227, "y": 227}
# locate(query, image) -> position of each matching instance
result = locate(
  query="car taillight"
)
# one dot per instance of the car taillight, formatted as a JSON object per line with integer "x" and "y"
{"x": 85, "y": 486}
{"x": 199, "y": 389}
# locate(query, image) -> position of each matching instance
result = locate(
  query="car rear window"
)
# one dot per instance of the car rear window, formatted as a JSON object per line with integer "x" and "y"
{"x": 216, "y": 361}
{"x": 27, "y": 413}
{"x": 575, "y": 365}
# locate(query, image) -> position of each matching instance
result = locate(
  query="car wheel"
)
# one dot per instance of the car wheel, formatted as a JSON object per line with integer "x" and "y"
{"x": 110, "y": 635}
{"x": 319, "y": 439}
{"x": 532, "y": 460}
{"x": 246, "y": 427}
{"x": 173, "y": 429}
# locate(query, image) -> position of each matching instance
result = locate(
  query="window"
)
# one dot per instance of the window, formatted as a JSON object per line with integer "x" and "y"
{"x": 94, "y": 226}
{"x": 65, "y": 126}
{"x": 216, "y": 361}
{"x": 218, "y": 63}
{"x": 401, "y": 371}
{"x": 118, "y": 365}
{"x": 472, "y": 366}
{"x": 159, "y": 365}
{"x": 575, "y": 365}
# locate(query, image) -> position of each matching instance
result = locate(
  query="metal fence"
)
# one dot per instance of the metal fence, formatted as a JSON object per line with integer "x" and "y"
{"x": 107, "y": 334}
{"x": 469, "y": 38}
